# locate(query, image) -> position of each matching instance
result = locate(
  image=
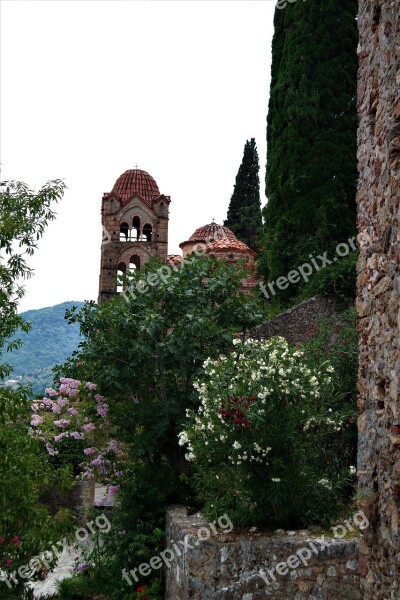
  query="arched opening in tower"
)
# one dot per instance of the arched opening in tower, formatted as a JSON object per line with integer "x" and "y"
{"x": 134, "y": 263}
{"x": 135, "y": 229}
{"x": 121, "y": 272}
{"x": 124, "y": 232}
{"x": 147, "y": 232}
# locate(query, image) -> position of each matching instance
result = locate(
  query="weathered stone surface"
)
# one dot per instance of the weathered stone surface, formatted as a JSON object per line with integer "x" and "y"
{"x": 229, "y": 566}
{"x": 378, "y": 294}
{"x": 298, "y": 323}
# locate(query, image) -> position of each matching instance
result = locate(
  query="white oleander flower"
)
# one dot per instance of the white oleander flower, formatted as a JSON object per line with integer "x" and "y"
{"x": 236, "y": 445}
{"x": 325, "y": 483}
{"x": 353, "y": 470}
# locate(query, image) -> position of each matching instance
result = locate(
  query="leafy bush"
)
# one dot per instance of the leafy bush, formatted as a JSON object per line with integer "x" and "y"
{"x": 144, "y": 352}
{"x": 264, "y": 410}
{"x": 73, "y": 422}
{"x": 26, "y": 527}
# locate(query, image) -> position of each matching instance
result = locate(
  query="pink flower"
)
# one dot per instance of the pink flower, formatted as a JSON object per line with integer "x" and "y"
{"x": 88, "y": 427}
{"x": 15, "y": 540}
{"x": 50, "y": 392}
{"x": 60, "y": 436}
{"x": 77, "y": 436}
{"x": 62, "y": 402}
{"x": 62, "y": 423}
{"x": 50, "y": 450}
{"x": 113, "y": 489}
{"x": 99, "y": 398}
{"x": 101, "y": 411}
{"x": 74, "y": 383}
{"x": 97, "y": 461}
{"x": 8, "y": 561}
{"x": 89, "y": 451}
{"x": 72, "y": 411}
{"x": 36, "y": 420}
{"x": 91, "y": 386}
{"x": 113, "y": 446}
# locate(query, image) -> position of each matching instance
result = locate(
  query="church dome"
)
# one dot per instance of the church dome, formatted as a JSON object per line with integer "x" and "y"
{"x": 136, "y": 181}
{"x": 210, "y": 233}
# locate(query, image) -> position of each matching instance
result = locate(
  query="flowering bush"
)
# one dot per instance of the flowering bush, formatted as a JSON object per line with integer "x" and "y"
{"x": 73, "y": 423}
{"x": 265, "y": 413}
{"x": 26, "y": 526}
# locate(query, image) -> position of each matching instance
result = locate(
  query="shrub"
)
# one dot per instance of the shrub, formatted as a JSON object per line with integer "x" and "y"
{"x": 26, "y": 527}
{"x": 73, "y": 423}
{"x": 264, "y": 410}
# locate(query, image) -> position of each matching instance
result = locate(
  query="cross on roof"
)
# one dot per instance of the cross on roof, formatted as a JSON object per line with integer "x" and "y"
{"x": 136, "y": 166}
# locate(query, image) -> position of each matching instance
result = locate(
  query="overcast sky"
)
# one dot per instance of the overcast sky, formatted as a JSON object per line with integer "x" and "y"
{"x": 92, "y": 88}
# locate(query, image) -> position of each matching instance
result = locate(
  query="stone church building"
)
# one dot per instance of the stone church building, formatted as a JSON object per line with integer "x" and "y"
{"x": 135, "y": 219}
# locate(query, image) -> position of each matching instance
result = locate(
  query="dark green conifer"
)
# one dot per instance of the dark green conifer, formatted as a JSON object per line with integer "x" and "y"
{"x": 311, "y": 135}
{"x": 244, "y": 212}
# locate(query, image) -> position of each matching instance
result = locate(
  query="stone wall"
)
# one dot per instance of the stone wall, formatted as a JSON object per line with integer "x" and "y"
{"x": 298, "y": 323}
{"x": 379, "y": 295}
{"x": 227, "y": 565}
{"x": 79, "y": 499}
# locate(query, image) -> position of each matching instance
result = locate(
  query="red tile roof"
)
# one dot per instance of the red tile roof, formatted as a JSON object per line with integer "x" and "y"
{"x": 136, "y": 181}
{"x": 211, "y": 232}
{"x": 173, "y": 260}
{"x": 217, "y": 237}
{"x": 229, "y": 244}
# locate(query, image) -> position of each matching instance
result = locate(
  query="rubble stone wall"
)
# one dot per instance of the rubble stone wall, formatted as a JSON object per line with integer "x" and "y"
{"x": 227, "y": 565}
{"x": 379, "y": 295}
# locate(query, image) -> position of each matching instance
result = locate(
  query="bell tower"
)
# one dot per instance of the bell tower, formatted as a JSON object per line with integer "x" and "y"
{"x": 135, "y": 217}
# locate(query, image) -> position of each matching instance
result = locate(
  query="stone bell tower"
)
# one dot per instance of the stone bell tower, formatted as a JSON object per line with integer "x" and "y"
{"x": 135, "y": 228}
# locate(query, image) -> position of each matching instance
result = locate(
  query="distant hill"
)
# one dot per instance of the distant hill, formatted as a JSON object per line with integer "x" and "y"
{"x": 49, "y": 342}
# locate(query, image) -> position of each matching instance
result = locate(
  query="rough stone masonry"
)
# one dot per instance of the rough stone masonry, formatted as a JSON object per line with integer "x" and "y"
{"x": 379, "y": 294}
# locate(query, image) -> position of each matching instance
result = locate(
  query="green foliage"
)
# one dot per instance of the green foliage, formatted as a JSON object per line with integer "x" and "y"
{"x": 337, "y": 280}
{"x": 144, "y": 354}
{"x": 264, "y": 409}
{"x": 26, "y": 527}
{"x": 24, "y": 217}
{"x": 311, "y": 136}
{"x": 244, "y": 212}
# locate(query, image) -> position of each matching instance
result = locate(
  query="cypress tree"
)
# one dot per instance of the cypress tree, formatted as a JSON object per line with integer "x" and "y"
{"x": 311, "y": 135}
{"x": 244, "y": 212}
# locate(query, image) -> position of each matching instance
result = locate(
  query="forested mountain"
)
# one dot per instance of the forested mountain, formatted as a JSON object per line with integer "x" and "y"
{"x": 49, "y": 342}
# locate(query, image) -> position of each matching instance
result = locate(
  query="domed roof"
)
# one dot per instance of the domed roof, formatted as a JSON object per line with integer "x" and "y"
{"x": 229, "y": 244}
{"x": 136, "y": 181}
{"x": 210, "y": 233}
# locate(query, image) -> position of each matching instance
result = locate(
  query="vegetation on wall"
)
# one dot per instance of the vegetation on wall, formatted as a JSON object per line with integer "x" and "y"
{"x": 264, "y": 409}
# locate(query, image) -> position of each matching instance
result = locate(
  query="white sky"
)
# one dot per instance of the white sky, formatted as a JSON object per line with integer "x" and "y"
{"x": 90, "y": 88}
